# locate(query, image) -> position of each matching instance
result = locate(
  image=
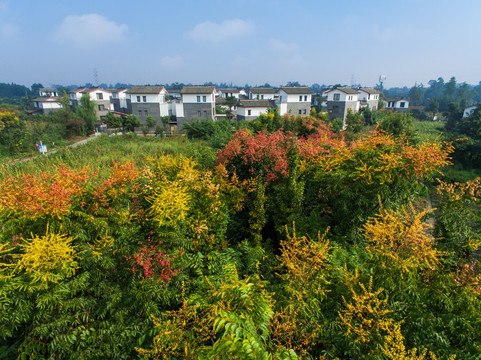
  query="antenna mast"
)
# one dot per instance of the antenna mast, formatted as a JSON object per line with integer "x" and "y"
{"x": 96, "y": 77}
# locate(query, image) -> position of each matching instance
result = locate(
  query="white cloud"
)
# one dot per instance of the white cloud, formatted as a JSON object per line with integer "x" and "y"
{"x": 212, "y": 32}
{"x": 90, "y": 31}
{"x": 283, "y": 47}
{"x": 8, "y": 30}
{"x": 172, "y": 62}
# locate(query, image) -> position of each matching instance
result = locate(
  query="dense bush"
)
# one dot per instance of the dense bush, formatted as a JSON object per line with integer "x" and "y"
{"x": 294, "y": 243}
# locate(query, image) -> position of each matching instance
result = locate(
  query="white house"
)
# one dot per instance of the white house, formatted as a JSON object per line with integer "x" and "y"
{"x": 294, "y": 100}
{"x": 121, "y": 101}
{"x": 46, "y": 105}
{"x": 48, "y": 92}
{"x": 198, "y": 102}
{"x": 154, "y": 101}
{"x": 262, "y": 93}
{"x": 340, "y": 100}
{"x": 101, "y": 97}
{"x": 469, "y": 110}
{"x": 369, "y": 97}
{"x": 229, "y": 92}
{"x": 399, "y": 104}
{"x": 251, "y": 109}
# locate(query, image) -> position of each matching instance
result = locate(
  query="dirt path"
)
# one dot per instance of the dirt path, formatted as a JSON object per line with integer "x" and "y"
{"x": 80, "y": 142}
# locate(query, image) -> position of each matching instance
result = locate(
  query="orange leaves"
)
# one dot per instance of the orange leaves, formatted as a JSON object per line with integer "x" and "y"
{"x": 47, "y": 194}
{"x": 123, "y": 175}
{"x": 456, "y": 191}
{"x": 401, "y": 237}
{"x": 427, "y": 157}
{"x": 260, "y": 154}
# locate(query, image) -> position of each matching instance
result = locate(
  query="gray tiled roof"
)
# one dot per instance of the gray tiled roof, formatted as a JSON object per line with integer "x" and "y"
{"x": 230, "y": 90}
{"x": 198, "y": 89}
{"x": 263, "y": 90}
{"x": 48, "y": 89}
{"x": 255, "y": 103}
{"x": 344, "y": 89}
{"x": 296, "y": 90}
{"x": 370, "y": 90}
{"x": 145, "y": 89}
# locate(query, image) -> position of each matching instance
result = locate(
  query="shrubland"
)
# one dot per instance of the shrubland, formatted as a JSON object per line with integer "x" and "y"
{"x": 286, "y": 241}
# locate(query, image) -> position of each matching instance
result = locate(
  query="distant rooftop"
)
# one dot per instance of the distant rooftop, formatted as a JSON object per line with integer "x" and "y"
{"x": 146, "y": 89}
{"x": 198, "y": 89}
{"x": 345, "y": 89}
{"x": 263, "y": 90}
{"x": 370, "y": 90}
{"x": 296, "y": 90}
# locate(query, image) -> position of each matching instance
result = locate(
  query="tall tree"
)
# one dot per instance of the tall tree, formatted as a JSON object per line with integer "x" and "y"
{"x": 86, "y": 111}
{"x": 35, "y": 88}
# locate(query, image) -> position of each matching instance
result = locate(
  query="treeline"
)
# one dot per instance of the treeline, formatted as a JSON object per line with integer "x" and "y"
{"x": 439, "y": 95}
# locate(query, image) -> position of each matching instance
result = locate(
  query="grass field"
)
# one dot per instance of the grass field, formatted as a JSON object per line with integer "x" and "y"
{"x": 99, "y": 153}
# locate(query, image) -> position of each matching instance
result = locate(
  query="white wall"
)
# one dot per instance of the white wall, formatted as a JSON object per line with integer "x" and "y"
{"x": 179, "y": 109}
{"x": 105, "y": 94}
{"x": 342, "y": 96}
{"x": 150, "y": 98}
{"x": 266, "y": 96}
{"x": 192, "y": 98}
{"x": 255, "y": 111}
{"x": 285, "y": 98}
{"x": 50, "y": 105}
{"x": 366, "y": 96}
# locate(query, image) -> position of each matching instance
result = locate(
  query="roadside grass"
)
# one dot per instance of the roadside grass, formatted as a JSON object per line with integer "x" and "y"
{"x": 428, "y": 130}
{"x": 99, "y": 154}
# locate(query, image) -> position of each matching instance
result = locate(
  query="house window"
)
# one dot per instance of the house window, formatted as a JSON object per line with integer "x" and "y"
{"x": 101, "y": 107}
{"x": 205, "y": 114}
{"x": 198, "y": 98}
{"x": 335, "y": 109}
{"x": 374, "y": 108}
{"x": 337, "y": 97}
{"x": 204, "y": 98}
{"x": 349, "y": 98}
{"x": 138, "y": 98}
{"x": 199, "y": 114}
{"x": 262, "y": 97}
{"x": 249, "y": 112}
{"x": 144, "y": 98}
{"x": 300, "y": 112}
{"x": 300, "y": 97}
{"x": 305, "y": 111}
{"x": 305, "y": 97}
{"x": 100, "y": 96}
{"x": 402, "y": 104}
{"x": 146, "y": 113}
{"x": 140, "y": 113}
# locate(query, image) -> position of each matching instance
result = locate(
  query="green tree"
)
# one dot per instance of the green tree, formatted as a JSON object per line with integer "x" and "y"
{"x": 416, "y": 95}
{"x": 131, "y": 122}
{"x": 354, "y": 122}
{"x": 86, "y": 111}
{"x": 36, "y": 88}
{"x": 113, "y": 121}
{"x": 151, "y": 122}
{"x": 397, "y": 124}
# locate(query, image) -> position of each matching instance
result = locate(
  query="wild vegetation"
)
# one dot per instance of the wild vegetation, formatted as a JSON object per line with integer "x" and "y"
{"x": 287, "y": 240}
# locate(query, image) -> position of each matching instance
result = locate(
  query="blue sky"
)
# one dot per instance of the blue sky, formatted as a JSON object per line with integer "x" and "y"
{"x": 247, "y": 41}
